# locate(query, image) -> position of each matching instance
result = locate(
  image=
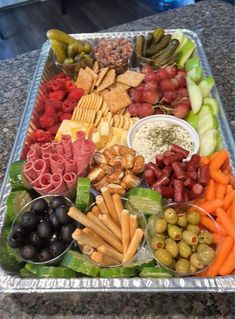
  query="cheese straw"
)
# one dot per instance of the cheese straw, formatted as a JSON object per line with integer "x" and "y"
{"x": 118, "y": 205}
{"x": 95, "y": 210}
{"x": 86, "y": 230}
{"x": 101, "y": 205}
{"x": 84, "y": 220}
{"x": 105, "y": 219}
{"x": 133, "y": 245}
{"x": 103, "y": 259}
{"x": 125, "y": 229}
{"x": 93, "y": 217}
{"x": 110, "y": 252}
{"x": 110, "y": 205}
{"x": 132, "y": 225}
{"x": 86, "y": 239}
{"x": 88, "y": 250}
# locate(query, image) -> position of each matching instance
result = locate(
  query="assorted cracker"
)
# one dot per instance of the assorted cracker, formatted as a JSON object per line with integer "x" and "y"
{"x": 117, "y": 99}
{"x": 131, "y": 78}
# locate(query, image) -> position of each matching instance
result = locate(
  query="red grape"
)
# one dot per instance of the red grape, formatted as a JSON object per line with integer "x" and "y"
{"x": 151, "y": 85}
{"x": 145, "y": 109}
{"x": 163, "y": 74}
{"x": 183, "y": 92}
{"x": 180, "y": 100}
{"x": 167, "y": 85}
{"x": 151, "y": 96}
{"x": 136, "y": 95}
{"x": 146, "y": 69}
{"x": 158, "y": 111}
{"x": 169, "y": 96}
{"x": 175, "y": 83}
{"x": 140, "y": 87}
{"x": 181, "y": 81}
{"x": 150, "y": 77}
{"x": 181, "y": 110}
{"x": 133, "y": 109}
{"x": 172, "y": 71}
{"x": 181, "y": 73}
{"x": 158, "y": 79}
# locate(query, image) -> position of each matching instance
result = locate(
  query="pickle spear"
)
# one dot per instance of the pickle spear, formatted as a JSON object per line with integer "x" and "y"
{"x": 158, "y": 34}
{"x": 165, "y": 55}
{"x": 160, "y": 46}
{"x": 59, "y": 49}
{"x": 139, "y": 44}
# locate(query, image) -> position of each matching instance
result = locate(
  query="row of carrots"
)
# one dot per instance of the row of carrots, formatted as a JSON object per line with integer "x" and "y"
{"x": 219, "y": 202}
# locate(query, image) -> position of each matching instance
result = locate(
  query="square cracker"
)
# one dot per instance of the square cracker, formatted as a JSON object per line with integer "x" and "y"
{"x": 94, "y": 75}
{"x": 117, "y": 84}
{"x": 108, "y": 80}
{"x": 84, "y": 81}
{"x": 96, "y": 67}
{"x": 101, "y": 75}
{"x": 117, "y": 99}
{"x": 130, "y": 78}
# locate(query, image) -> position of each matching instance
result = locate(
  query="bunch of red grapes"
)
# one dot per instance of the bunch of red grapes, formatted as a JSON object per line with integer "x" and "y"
{"x": 166, "y": 86}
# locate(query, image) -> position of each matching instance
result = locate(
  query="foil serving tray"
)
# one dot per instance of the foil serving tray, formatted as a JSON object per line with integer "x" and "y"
{"x": 13, "y": 283}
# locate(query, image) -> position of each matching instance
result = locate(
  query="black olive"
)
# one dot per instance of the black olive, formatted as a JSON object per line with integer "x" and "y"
{"x": 16, "y": 239}
{"x": 66, "y": 232}
{"x": 56, "y": 248}
{"x": 35, "y": 239}
{"x": 28, "y": 251}
{"x": 29, "y": 220}
{"x": 54, "y": 238}
{"x": 44, "y": 255}
{"x": 20, "y": 228}
{"x": 57, "y": 201}
{"x": 54, "y": 221}
{"x": 61, "y": 214}
{"x": 45, "y": 229}
{"x": 39, "y": 205}
{"x": 44, "y": 218}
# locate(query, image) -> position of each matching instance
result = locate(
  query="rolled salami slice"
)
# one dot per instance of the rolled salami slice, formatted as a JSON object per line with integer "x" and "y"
{"x": 40, "y": 167}
{"x": 56, "y": 162}
{"x": 36, "y": 147}
{"x": 45, "y": 182}
{"x": 67, "y": 144}
{"x": 56, "y": 179}
{"x": 61, "y": 188}
{"x": 29, "y": 171}
{"x": 32, "y": 155}
{"x": 46, "y": 158}
{"x": 46, "y": 148}
{"x": 59, "y": 147}
{"x": 70, "y": 166}
{"x": 70, "y": 179}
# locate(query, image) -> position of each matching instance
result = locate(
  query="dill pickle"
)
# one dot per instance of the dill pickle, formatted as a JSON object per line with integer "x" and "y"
{"x": 87, "y": 48}
{"x": 158, "y": 34}
{"x": 165, "y": 55}
{"x": 58, "y": 35}
{"x": 160, "y": 46}
{"x": 139, "y": 45}
{"x": 68, "y": 61}
{"x": 72, "y": 50}
{"x": 59, "y": 49}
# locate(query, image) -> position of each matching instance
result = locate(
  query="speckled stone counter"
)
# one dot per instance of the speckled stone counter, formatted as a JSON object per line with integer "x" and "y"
{"x": 214, "y": 22}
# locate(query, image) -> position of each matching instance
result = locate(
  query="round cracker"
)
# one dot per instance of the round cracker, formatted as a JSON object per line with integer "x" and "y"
{"x": 126, "y": 123}
{"x": 116, "y": 120}
{"x": 98, "y": 118}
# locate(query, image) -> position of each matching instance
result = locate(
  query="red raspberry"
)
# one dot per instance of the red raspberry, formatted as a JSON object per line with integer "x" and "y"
{"x": 60, "y": 75}
{"x": 75, "y": 94}
{"x": 58, "y": 95}
{"x": 69, "y": 105}
{"x": 46, "y": 121}
{"x": 53, "y": 130}
{"x": 57, "y": 105}
{"x": 42, "y": 136}
{"x": 65, "y": 116}
{"x": 69, "y": 85}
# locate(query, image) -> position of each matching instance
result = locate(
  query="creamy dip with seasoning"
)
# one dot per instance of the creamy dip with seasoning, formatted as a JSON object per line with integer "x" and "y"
{"x": 155, "y": 137}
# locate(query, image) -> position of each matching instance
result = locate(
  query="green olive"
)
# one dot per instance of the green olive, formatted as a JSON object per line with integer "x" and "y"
{"x": 172, "y": 247}
{"x": 195, "y": 261}
{"x": 160, "y": 225}
{"x": 68, "y": 61}
{"x": 170, "y": 216}
{"x": 206, "y": 255}
{"x": 182, "y": 221}
{"x": 205, "y": 238}
{"x": 157, "y": 242}
{"x": 151, "y": 225}
{"x": 194, "y": 228}
{"x": 175, "y": 232}
{"x": 163, "y": 256}
{"x": 192, "y": 268}
{"x": 172, "y": 266}
{"x": 184, "y": 249}
{"x": 182, "y": 265}
{"x": 193, "y": 218}
{"x": 190, "y": 237}
{"x": 201, "y": 246}
{"x": 194, "y": 248}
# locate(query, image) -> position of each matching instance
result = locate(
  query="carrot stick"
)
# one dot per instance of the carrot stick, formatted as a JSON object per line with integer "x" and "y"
{"x": 209, "y": 224}
{"x": 219, "y": 160}
{"x": 221, "y": 255}
{"x": 226, "y": 171}
{"x": 229, "y": 264}
{"x": 229, "y": 189}
{"x": 219, "y": 177}
{"x": 217, "y": 238}
{"x": 225, "y": 221}
{"x": 210, "y": 206}
{"x": 220, "y": 191}
{"x": 228, "y": 200}
{"x": 232, "y": 181}
{"x": 204, "y": 160}
{"x": 210, "y": 191}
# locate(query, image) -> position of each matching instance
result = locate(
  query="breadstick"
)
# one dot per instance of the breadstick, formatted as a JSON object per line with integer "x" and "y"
{"x": 132, "y": 225}
{"x": 88, "y": 250}
{"x": 99, "y": 223}
{"x": 125, "y": 230}
{"x": 101, "y": 204}
{"x": 103, "y": 259}
{"x": 84, "y": 220}
{"x": 86, "y": 239}
{"x": 138, "y": 235}
{"x": 86, "y": 230}
{"x": 110, "y": 252}
{"x": 110, "y": 205}
{"x": 118, "y": 204}
{"x": 108, "y": 222}
{"x": 95, "y": 210}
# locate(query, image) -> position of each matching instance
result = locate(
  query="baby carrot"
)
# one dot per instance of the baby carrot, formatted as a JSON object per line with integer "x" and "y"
{"x": 219, "y": 160}
{"x": 219, "y": 177}
{"x": 209, "y": 224}
{"x": 225, "y": 221}
{"x": 213, "y": 156}
{"x": 204, "y": 160}
{"x": 229, "y": 265}
{"x": 217, "y": 238}
{"x": 211, "y": 205}
{"x": 228, "y": 200}
{"x": 232, "y": 180}
{"x": 232, "y": 212}
{"x": 210, "y": 191}
{"x": 229, "y": 189}
{"x": 221, "y": 230}
{"x": 220, "y": 191}
{"x": 221, "y": 255}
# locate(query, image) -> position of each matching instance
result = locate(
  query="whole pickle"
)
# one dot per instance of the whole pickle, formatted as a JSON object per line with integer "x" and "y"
{"x": 71, "y": 50}
{"x": 59, "y": 49}
{"x": 139, "y": 44}
{"x": 163, "y": 58}
{"x": 160, "y": 46}
{"x": 158, "y": 34}
{"x": 68, "y": 61}
{"x": 58, "y": 35}
{"x": 87, "y": 48}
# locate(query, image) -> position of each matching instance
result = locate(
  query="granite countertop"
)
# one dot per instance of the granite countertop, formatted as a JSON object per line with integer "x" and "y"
{"x": 214, "y": 22}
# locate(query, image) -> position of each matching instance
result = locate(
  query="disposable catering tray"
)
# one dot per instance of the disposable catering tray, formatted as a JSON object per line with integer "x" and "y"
{"x": 13, "y": 283}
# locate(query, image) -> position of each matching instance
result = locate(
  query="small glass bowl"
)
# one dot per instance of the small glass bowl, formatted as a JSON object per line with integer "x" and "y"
{"x": 142, "y": 223}
{"x": 27, "y": 207}
{"x": 182, "y": 208}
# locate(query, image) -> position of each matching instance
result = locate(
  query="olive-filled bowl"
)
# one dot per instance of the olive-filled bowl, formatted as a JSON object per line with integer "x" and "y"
{"x": 41, "y": 233}
{"x": 178, "y": 240}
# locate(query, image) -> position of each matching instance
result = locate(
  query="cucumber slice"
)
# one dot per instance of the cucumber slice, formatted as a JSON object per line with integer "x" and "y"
{"x": 79, "y": 263}
{"x": 146, "y": 200}
{"x": 206, "y": 85}
{"x": 15, "y": 202}
{"x": 139, "y": 265}
{"x": 83, "y": 194}
{"x": 26, "y": 274}
{"x": 192, "y": 119}
{"x": 151, "y": 225}
{"x": 117, "y": 272}
{"x": 195, "y": 96}
{"x": 207, "y": 122}
{"x": 192, "y": 63}
{"x": 49, "y": 271}
{"x": 32, "y": 268}
{"x": 16, "y": 177}
{"x": 155, "y": 272}
{"x": 196, "y": 74}
{"x": 213, "y": 103}
{"x": 208, "y": 142}
{"x": 185, "y": 52}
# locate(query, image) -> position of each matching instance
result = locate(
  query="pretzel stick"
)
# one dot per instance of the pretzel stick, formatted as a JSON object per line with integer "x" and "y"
{"x": 133, "y": 245}
{"x": 88, "y": 250}
{"x": 84, "y": 220}
{"x": 110, "y": 252}
{"x": 125, "y": 229}
{"x": 101, "y": 204}
{"x": 86, "y": 239}
{"x": 118, "y": 204}
{"x": 93, "y": 217}
{"x": 103, "y": 259}
{"x": 95, "y": 210}
{"x": 105, "y": 219}
{"x": 110, "y": 205}
{"x": 87, "y": 230}
{"x": 132, "y": 225}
